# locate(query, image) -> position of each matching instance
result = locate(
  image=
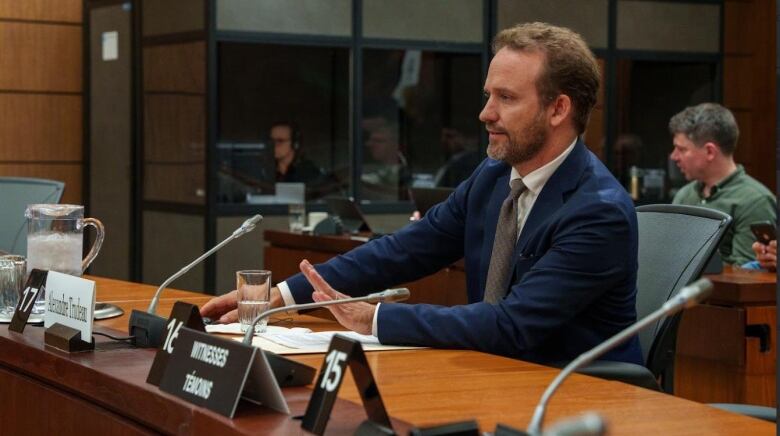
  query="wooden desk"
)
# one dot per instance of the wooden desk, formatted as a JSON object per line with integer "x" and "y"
{"x": 719, "y": 356}
{"x": 104, "y": 392}
{"x": 286, "y": 250}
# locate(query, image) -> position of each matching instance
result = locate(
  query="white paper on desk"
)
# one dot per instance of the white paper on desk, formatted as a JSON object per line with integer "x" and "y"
{"x": 314, "y": 340}
{"x": 306, "y": 343}
{"x": 235, "y": 329}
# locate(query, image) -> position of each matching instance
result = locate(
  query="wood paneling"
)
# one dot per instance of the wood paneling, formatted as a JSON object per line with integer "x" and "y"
{"x": 737, "y": 73}
{"x": 65, "y": 172}
{"x": 175, "y": 67}
{"x": 40, "y": 127}
{"x": 718, "y": 359}
{"x": 174, "y": 128}
{"x": 749, "y": 83}
{"x": 176, "y": 183}
{"x": 40, "y": 57}
{"x": 67, "y": 413}
{"x": 42, "y": 10}
{"x": 41, "y": 130}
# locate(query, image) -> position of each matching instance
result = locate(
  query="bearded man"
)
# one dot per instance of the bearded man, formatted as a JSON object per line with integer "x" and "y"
{"x": 548, "y": 235}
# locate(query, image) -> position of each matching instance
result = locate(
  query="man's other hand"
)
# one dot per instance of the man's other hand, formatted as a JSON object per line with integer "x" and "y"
{"x": 358, "y": 317}
{"x": 224, "y": 309}
{"x": 766, "y": 254}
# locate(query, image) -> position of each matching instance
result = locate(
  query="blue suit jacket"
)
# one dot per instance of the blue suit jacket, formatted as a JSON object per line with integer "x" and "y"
{"x": 574, "y": 279}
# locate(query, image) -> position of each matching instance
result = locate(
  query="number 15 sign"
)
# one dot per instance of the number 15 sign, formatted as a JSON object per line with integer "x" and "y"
{"x": 343, "y": 352}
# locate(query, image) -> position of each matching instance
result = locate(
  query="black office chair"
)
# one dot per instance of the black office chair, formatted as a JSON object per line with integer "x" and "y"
{"x": 675, "y": 244}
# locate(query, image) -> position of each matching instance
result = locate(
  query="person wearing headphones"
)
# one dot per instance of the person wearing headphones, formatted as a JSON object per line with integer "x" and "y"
{"x": 291, "y": 165}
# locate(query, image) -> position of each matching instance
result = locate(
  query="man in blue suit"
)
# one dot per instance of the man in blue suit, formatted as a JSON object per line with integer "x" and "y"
{"x": 549, "y": 237}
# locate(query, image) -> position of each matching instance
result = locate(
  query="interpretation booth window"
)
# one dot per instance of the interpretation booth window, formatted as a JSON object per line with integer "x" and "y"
{"x": 303, "y": 88}
{"x": 420, "y": 121}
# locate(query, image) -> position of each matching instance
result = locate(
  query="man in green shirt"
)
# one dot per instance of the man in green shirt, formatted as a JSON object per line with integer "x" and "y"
{"x": 705, "y": 137}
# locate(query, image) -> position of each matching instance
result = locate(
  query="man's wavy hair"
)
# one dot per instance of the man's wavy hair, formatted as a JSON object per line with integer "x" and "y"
{"x": 569, "y": 66}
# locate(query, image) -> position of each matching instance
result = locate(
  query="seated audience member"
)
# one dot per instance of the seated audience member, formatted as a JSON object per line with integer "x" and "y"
{"x": 462, "y": 158}
{"x": 385, "y": 173}
{"x": 705, "y": 137}
{"x": 548, "y": 235}
{"x": 291, "y": 165}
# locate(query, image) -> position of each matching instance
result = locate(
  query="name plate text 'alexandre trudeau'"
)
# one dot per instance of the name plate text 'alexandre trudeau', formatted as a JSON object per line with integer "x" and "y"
{"x": 70, "y": 301}
{"x": 207, "y": 370}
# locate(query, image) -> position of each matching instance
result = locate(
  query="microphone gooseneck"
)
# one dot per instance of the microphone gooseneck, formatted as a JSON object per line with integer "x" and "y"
{"x": 246, "y": 227}
{"x": 686, "y": 297}
{"x": 147, "y": 328}
{"x": 387, "y": 296}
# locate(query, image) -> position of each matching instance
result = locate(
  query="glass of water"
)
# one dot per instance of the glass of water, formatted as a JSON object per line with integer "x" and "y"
{"x": 13, "y": 272}
{"x": 297, "y": 216}
{"x": 254, "y": 293}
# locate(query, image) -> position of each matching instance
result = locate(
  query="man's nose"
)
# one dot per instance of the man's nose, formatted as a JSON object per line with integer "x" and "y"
{"x": 488, "y": 113}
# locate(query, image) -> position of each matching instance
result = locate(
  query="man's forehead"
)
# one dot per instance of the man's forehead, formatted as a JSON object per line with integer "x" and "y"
{"x": 517, "y": 65}
{"x": 682, "y": 140}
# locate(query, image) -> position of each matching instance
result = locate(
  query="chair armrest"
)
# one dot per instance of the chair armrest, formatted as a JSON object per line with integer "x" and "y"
{"x": 630, "y": 373}
{"x": 760, "y": 412}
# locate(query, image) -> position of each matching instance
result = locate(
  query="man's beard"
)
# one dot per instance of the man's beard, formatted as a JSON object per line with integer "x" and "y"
{"x": 522, "y": 149}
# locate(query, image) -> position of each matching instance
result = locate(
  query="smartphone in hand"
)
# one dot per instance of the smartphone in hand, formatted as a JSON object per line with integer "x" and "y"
{"x": 764, "y": 231}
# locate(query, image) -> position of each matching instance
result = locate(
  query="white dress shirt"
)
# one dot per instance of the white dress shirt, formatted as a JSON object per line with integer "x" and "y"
{"x": 534, "y": 183}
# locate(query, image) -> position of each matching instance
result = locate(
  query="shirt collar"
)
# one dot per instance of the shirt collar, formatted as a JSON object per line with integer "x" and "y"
{"x": 718, "y": 186}
{"x": 536, "y": 179}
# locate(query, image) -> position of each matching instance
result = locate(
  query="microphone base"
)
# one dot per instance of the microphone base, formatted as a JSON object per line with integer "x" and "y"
{"x": 147, "y": 329}
{"x": 462, "y": 428}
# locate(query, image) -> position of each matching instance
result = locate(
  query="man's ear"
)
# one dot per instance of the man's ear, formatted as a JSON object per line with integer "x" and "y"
{"x": 712, "y": 150}
{"x": 560, "y": 109}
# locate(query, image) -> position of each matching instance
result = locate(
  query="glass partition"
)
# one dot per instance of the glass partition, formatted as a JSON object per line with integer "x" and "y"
{"x": 283, "y": 118}
{"x": 420, "y": 121}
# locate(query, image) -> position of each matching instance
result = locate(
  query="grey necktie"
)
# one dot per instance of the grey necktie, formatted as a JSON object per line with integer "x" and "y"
{"x": 503, "y": 245}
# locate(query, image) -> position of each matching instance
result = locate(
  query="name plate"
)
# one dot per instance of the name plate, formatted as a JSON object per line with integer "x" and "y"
{"x": 207, "y": 370}
{"x": 36, "y": 284}
{"x": 345, "y": 353}
{"x": 70, "y": 301}
{"x": 182, "y": 315}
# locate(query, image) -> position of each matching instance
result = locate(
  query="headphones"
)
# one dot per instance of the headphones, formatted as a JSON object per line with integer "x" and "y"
{"x": 295, "y": 133}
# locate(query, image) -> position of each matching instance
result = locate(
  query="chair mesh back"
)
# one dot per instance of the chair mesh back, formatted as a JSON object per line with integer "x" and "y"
{"x": 15, "y": 195}
{"x": 675, "y": 244}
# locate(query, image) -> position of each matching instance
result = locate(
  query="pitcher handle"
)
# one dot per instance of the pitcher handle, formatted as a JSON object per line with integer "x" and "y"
{"x": 101, "y": 234}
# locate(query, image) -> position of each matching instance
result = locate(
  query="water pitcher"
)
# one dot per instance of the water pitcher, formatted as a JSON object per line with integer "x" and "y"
{"x": 55, "y": 238}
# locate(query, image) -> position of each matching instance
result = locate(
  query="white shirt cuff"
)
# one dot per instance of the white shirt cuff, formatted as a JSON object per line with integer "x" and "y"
{"x": 286, "y": 294}
{"x": 374, "y": 329}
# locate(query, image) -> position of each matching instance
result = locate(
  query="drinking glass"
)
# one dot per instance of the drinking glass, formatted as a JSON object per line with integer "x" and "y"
{"x": 13, "y": 272}
{"x": 297, "y": 216}
{"x": 254, "y": 293}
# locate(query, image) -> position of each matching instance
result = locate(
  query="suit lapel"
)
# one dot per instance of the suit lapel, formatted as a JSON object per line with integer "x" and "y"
{"x": 563, "y": 180}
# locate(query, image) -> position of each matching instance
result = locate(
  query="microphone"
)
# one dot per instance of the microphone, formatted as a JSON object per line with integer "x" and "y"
{"x": 688, "y": 296}
{"x": 147, "y": 328}
{"x": 386, "y": 296}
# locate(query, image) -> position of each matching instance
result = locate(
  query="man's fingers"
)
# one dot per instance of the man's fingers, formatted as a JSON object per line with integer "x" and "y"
{"x": 219, "y": 305}
{"x": 316, "y": 280}
{"x": 229, "y": 317}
